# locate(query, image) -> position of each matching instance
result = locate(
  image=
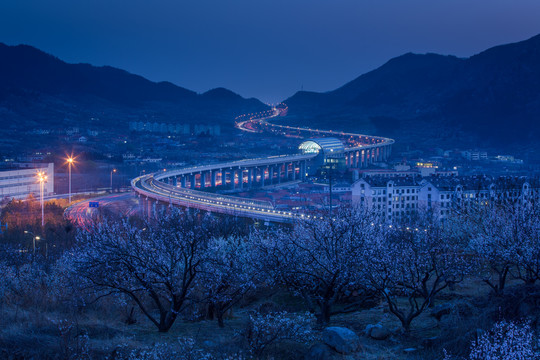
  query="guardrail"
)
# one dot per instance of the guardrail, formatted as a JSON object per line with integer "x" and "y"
{"x": 146, "y": 186}
{"x": 233, "y": 164}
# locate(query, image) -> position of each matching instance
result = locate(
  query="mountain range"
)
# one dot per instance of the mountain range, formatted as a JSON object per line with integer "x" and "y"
{"x": 425, "y": 101}
{"x": 489, "y": 100}
{"x": 38, "y": 90}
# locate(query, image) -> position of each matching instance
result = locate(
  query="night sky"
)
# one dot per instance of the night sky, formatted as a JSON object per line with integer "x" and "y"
{"x": 261, "y": 48}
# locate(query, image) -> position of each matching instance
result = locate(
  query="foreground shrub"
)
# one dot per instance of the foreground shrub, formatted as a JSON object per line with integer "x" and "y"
{"x": 265, "y": 330}
{"x": 507, "y": 340}
{"x": 184, "y": 349}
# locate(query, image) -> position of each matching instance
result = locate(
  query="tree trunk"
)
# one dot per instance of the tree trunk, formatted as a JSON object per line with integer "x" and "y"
{"x": 210, "y": 310}
{"x": 406, "y": 324}
{"x": 162, "y": 328}
{"x": 502, "y": 280}
{"x": 499, "y": 288}
{"x": 167, "y": 321}
{"x": 324, "y": 317}
{"x": 131, "y": 317}
{"x": 220, "y": 322}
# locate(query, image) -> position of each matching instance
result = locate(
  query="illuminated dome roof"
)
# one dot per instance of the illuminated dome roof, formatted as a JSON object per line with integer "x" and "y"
{"x": 328, "y": 145}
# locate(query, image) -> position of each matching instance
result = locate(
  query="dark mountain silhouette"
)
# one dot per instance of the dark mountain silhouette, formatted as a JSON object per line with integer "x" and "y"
{"x": 38, "y": 89}
{"x": 491, "y": 99}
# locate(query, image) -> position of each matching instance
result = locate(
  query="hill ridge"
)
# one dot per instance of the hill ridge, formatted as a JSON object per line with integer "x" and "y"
{"x": 38, "y": 89}
{"x": 483, "y": 100}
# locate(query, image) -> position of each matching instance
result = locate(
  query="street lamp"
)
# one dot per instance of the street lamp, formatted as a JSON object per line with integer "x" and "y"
{"x": 42, "y": 178}
{"x": 112, "y": 171}
{"x": 34, "y": 238}
{"x": 70, "y": 161}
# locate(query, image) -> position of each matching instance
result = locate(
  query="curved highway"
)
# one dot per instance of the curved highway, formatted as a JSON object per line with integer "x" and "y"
{"x": 153, "y": 188}
{"x": 259, "y": 122}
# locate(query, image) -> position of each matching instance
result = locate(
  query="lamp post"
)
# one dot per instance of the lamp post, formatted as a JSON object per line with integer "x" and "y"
{"x": 34, "y": 238}
{"x": 112, "y": 171}
{"x": 42, "y": 178}
{"x": 70, "y": 162}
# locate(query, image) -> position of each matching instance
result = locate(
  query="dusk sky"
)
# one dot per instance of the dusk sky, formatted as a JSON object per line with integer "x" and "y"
{"x": 261, "y": 48}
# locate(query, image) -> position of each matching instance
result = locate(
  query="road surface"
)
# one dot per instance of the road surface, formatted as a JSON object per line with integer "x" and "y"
{"x": 83, "y": 215}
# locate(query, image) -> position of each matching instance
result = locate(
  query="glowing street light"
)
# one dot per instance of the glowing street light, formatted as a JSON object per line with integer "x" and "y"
{"x": 42, "y": 178}
{"x": 112, "y": 171}
{"x": 70, "y": 160}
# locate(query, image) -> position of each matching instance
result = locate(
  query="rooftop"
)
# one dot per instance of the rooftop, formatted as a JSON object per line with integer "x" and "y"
{"x": 329, "y": 145}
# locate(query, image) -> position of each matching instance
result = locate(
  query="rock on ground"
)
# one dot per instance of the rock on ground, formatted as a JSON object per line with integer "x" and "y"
{"x": 380, "y": 333}
{"x": 320, "y": 352}
{"x": 341, "y": 339}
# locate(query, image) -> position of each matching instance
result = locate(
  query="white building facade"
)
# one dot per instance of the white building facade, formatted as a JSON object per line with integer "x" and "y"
{"x": 399, "y": 200}
{"x": 395, "y": 200}
{"x": 20, "y": 183}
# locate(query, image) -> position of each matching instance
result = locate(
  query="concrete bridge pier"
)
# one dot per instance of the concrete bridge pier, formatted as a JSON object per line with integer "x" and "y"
{"x": 202, "y": 178}
{"x": 233, "y": 178}
{"x": 141, "y": 204}
{"x": 223, "y": 178}
{"x": 230, "y": 175}
{"x": 149, "y": 208}
{"x": 241, "y": 178}
{"x": 249, "y": 177}
{"x": 256, "y": 179}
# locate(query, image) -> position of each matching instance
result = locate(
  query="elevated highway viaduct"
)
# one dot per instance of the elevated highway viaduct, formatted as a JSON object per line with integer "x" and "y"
{"x": 195, "y": 187}
{"x": 185, "y": 187}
